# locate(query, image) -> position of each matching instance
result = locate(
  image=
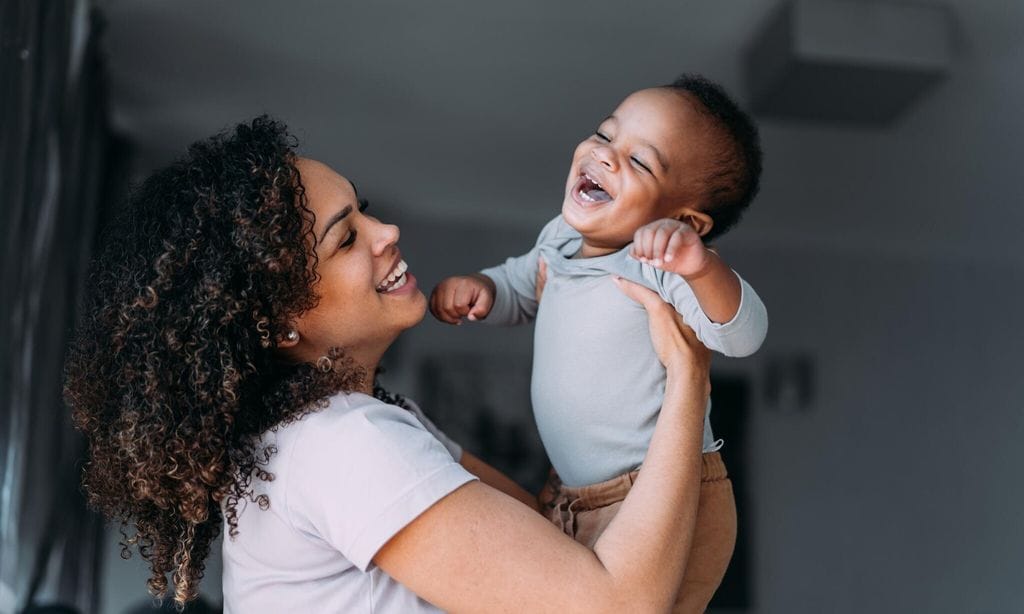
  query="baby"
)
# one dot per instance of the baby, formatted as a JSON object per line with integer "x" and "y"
{"x": 670, "y": 170}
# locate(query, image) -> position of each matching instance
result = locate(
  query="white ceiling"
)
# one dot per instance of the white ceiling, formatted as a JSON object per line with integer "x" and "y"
{"x": 470, "y": 110}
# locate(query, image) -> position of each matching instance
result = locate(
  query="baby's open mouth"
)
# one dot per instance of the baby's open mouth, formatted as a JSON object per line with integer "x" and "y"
{"x": 590, "y": 190}
{"x": 395, "y": 279}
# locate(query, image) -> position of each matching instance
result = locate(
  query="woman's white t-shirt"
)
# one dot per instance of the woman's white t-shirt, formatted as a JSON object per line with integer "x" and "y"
{"x": 347, "y": 478}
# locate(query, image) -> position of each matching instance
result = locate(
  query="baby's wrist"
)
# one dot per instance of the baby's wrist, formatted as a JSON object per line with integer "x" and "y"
{"x": 706, "y": 269}
{"x": 485, "y": 280}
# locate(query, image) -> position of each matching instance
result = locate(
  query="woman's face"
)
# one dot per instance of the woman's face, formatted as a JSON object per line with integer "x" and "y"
{"x": 366, "y": 297}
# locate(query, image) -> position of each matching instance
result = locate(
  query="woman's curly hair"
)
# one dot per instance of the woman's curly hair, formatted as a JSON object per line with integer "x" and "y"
{"x": 173, "y": 372}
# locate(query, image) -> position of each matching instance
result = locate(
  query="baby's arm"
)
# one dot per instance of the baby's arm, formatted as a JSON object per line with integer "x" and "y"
{"x": 498, "y": 295}
{"x": 724, "y": 310}
{"x": 675, "y": 247}
{"x": 505, "y": 294}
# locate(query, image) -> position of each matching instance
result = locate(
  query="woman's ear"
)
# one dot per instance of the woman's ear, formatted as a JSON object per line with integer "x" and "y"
{"x": 700, "y": 221}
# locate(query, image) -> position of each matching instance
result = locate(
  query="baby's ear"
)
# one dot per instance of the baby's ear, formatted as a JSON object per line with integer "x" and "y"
{"x": 700, "y": 221}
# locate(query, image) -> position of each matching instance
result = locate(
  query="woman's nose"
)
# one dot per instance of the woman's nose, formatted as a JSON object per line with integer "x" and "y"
{"x": 385, "y": 236}
{"x": 605, "y": 157}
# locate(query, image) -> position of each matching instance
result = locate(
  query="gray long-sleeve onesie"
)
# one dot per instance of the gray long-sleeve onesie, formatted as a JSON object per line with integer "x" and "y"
{"x": 597, "y": 383}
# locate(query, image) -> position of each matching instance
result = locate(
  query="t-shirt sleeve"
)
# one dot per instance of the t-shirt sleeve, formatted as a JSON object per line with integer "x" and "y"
{"x": 453, "y": 448}
{"x": 741, "y": 336}
{"x": 515, "y": 282}
{"x": 358, "y": 476}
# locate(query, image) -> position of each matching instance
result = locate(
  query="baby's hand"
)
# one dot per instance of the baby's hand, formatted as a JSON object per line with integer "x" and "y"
{"x": 670, "y": 245}
{"x": 469, "y": 296}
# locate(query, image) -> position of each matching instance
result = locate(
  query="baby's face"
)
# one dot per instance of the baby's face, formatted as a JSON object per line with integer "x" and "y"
{"x": 645, "y": 162}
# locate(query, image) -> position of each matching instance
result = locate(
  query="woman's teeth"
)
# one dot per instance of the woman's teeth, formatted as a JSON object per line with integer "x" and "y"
{"x": 396, "y": 279}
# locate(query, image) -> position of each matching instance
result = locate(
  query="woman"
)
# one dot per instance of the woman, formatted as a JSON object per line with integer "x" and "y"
{"x": 223, "y": 374}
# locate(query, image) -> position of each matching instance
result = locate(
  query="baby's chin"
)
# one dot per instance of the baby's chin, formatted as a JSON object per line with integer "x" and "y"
{"x": 571, "y": 217}
{"x": 593, "y": 231}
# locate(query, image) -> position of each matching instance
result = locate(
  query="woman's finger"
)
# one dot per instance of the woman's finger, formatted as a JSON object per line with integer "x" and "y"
{"x": 671, "y": 336}
{"x": 646, "y": 297}
{"x": 542, "y": 277}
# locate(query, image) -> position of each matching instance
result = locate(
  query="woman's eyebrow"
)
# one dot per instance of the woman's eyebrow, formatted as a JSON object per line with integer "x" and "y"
{"x": 337, "y": 217}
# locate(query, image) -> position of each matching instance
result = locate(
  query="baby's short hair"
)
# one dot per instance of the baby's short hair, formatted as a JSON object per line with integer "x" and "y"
{"x": 736, "y": 169}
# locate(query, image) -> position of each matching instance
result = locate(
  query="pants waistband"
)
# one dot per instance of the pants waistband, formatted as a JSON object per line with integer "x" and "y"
{"x": 611, "y": 491}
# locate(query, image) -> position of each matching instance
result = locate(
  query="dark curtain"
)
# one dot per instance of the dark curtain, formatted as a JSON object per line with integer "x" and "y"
{"x": 55, "y": 167}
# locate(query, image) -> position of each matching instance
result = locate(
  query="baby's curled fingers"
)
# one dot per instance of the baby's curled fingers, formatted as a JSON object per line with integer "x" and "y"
{"x": 437, "y": 306}
{"x": 481, "y": 306}
{"x": 448, "y": 305}
{"x": 463, "y": 300}
{"x": 662, "y": 234}
{"x": 641, "y": 241}
{"x": 681, "y": 238}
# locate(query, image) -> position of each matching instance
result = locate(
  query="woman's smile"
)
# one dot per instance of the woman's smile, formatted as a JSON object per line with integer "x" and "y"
{"x": 398, "y": 280}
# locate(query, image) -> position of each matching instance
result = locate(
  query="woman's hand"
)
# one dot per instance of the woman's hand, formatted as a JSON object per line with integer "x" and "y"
{"x": 477, "y": 549}
{"x": 675, "y": 343}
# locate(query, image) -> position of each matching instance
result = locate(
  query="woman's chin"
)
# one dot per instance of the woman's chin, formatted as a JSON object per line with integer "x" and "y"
{"x": 417, "y": 309}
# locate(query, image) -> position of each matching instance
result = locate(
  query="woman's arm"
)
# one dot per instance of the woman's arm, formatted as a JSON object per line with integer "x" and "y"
{"x": 478, "y": 550}
{"x": 497, "y": 480}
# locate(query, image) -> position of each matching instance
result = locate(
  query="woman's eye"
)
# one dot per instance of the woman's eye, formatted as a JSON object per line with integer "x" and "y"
{"x": 363, "y": 204}
{"x": 640, "y": 164}
{"x": 602, "y": 136}
{"x": 350, "y": 239}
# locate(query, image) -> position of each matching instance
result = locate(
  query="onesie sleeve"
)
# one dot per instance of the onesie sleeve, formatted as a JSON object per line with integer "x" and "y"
{"x": 739, "y": 337}
{"x": 360, "y": 476}
{"x": 515, "y": 282}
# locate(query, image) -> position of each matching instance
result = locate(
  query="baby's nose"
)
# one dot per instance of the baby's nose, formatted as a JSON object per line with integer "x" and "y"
{"x": 604, "y": 157}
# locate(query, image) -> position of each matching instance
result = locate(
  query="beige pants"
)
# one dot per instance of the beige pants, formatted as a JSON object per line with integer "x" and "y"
{"x": 583, "y": 513}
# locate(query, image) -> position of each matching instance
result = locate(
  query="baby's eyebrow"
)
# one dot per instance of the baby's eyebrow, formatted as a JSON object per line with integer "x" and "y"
{"x": 661, "y": 158}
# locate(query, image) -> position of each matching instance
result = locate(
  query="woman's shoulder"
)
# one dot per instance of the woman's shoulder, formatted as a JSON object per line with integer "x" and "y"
{"x": 345, "y": 410}
{"x": 352, "y": 424}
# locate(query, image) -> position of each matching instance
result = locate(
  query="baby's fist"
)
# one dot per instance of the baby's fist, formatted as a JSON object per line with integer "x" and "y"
{"x": 670, "y": 245}
{"x": 463, "y": 296}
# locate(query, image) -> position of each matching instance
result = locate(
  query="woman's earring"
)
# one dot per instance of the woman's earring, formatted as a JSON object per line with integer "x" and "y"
{"x": 292, "y": 335}
{"x": 324, "y": 364}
